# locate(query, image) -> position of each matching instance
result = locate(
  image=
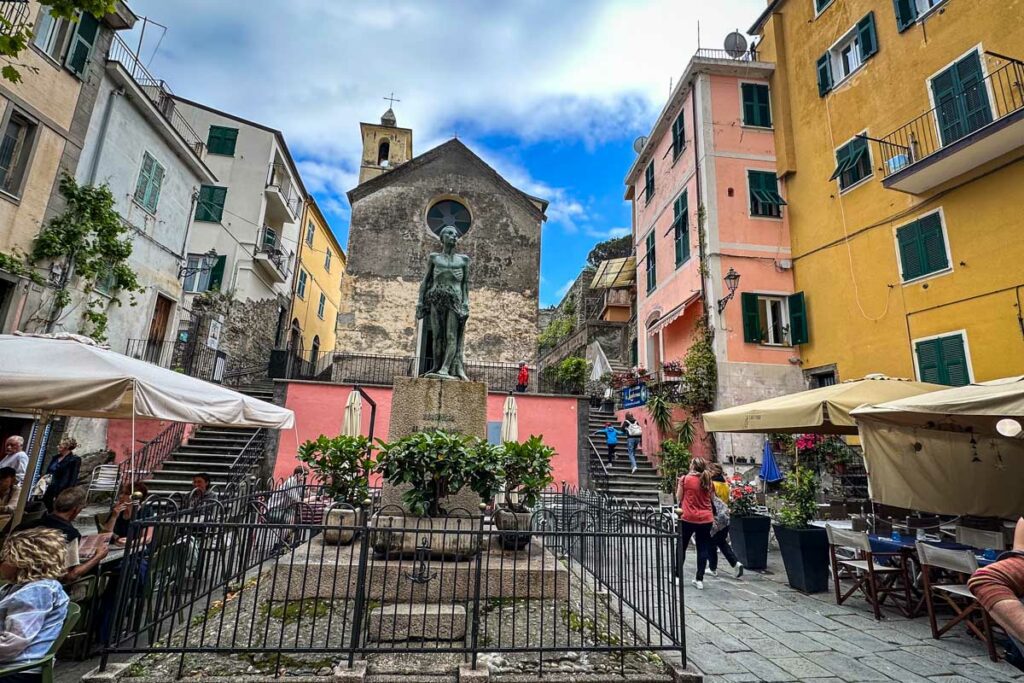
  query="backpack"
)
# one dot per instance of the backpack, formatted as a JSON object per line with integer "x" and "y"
{"x": 633, "y": 429}
{"x": 720, "y": 511}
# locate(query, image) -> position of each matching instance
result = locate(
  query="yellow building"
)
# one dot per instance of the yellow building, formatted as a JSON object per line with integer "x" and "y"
{"x": 316, "y": 289}
{"x": 900, "y": 138}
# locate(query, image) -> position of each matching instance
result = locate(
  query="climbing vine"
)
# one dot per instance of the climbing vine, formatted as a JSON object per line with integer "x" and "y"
{"x": 700, "y": 374}
{"x": 17, "y": 264}
{"x": 91, "y": 242}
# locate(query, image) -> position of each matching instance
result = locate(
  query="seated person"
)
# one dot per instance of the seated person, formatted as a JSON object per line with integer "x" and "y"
{"x": 68, "y": 505}
{"x": 124, "y": 511}
{"x": 200, "y": 489}
{"x": 9, "y": 490}
{"x": 999, "y": 588}
{"x": 33, "y": 605}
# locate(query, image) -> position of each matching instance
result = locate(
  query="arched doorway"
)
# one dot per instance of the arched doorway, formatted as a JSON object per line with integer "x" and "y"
{"x": 383, "y": 153}
{"x": 314, "y": 350}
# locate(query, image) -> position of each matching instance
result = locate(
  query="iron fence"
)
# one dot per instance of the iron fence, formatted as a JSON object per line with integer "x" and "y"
{"x": 190, "y": 357}
{"x": 250, "y": 582}
{"x": 996, "y": 96}
{"x": 749, "y": 55}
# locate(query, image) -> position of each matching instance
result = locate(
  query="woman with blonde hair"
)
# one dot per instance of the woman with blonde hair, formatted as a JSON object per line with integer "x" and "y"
{"x": 33, "y": 605}
{"x": 694, "y": 492}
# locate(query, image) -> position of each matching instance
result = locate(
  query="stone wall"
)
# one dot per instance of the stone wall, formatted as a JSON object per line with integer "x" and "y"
{"x": 740, "y": 383}
{"x": 248, "y": 334}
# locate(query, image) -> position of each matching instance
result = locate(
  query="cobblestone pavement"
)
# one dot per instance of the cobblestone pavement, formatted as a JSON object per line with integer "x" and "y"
{"x": 759, "y": 629}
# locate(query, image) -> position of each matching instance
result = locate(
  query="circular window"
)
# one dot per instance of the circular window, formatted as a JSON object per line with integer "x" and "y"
{"x": 448, "y": 212}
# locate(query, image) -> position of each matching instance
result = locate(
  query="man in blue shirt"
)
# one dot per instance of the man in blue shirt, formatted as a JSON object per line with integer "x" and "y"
{"x": 611, "y": 439}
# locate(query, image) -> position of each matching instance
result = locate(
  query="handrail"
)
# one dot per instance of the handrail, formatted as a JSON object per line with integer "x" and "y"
{"x": 599, "y": 458}
{"x": 239, "y": 469}
{"x": 153, "y": 453}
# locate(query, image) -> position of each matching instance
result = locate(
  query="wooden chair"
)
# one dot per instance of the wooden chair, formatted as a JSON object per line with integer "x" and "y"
{"x": 877, "y": 581}
{"x": 980, "y": 538}
{"x": 962, "y": 563}
{"x": 46, "y": 663}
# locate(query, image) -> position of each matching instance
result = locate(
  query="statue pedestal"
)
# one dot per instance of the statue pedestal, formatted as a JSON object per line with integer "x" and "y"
{"x": 422, "y": 404}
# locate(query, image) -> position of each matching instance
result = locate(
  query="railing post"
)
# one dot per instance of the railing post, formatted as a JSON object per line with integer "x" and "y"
{"x": 475, "y": 623}
{"x": 678, "y": 573}
{"x": 364, "y": 558}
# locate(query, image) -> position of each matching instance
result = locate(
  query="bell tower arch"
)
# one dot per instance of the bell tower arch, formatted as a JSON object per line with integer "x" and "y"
{"x": 385, "y": 146}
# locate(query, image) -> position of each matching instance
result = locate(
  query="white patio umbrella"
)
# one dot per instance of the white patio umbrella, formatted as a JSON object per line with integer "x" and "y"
{"x": 510, "y": 421}
{"x": 68, "y": 375}
{"x": 353, "y": 421}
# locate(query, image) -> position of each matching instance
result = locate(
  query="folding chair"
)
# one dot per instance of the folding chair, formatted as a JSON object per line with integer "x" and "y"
{"x": 980, "y": 538}
{"x": 877, "y": 581}
{"x": 962, "y": 563}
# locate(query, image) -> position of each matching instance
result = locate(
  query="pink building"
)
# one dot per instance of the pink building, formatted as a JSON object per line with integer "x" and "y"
{"x": 709, "y": 163}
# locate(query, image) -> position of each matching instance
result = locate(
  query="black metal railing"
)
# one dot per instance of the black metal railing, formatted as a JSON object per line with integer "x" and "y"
{"x": 15, "y": 16}
{"x": 158, "y": 91}
{"x": 710, "y": 53}
{"x": 271, "y": 246}
{"x": 187, "y": 357}
{"x": 247, "y": 582}
{"x": 249, "y": 459}
{"x": 280, "y": 179}
{"x": 996, "y": 96}
{"x": 152, "y": 455}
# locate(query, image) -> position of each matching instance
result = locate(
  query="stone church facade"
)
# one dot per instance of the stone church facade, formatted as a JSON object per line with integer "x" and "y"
{"x": 394, "y": 218}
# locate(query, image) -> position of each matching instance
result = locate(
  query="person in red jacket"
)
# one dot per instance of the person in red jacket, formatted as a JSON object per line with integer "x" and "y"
{"x": 694, "y": 492}
{"x": 524, "y": 377}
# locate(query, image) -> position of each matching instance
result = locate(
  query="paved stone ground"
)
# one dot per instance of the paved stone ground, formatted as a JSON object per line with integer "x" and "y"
{"x": 759, "y": 629}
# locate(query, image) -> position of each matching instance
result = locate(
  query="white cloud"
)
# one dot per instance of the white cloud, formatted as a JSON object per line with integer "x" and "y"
{"x": 608, "y": 234}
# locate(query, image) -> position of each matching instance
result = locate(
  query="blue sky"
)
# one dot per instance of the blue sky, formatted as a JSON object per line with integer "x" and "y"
{"x": 551, "y": 94}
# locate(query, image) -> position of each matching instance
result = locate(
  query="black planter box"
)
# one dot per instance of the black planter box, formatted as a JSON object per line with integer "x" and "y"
{"x": 805, "y": 554}
{"x": 749, "y": 539}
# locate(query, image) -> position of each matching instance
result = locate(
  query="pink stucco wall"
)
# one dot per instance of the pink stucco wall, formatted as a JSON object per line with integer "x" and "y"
{"x": 319, "y": 409}
{"x": 119, "y": 435}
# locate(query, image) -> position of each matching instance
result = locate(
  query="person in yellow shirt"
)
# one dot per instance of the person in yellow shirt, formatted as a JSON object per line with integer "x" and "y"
{"x": 720, "y": 541}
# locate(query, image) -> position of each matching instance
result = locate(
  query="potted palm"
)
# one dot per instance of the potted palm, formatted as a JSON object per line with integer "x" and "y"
{"x": 527, "y": 472}
{"x": 342, "y": 464}
{"x": 748, "y": 531}
{"x": 804, "y": 548}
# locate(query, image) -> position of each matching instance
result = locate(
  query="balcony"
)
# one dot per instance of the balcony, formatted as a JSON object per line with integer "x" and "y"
{"x": 282, "y": 198}
{"x": 972, "y": 127}
{"x": 271, "y": 257}
{"x": 616, "y": 305}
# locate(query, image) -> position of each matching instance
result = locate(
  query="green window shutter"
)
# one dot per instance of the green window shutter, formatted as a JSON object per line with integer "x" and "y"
{"x": 155, "y": 184}
{"x": 749, "y": 104}
{"x": 954, "y": 360}
{"x": 932, "y": 243}
{"x": 764, "y": 106}
{"x": 928, "y": 361}
{"x": 82, "y": 43}
{"x": 211, "y": 203}
{"x": 652, "y": 263}
{"x": 798, "y": 329}
{"x": 222, "y": 140}
{"x": 824, "y": 74}
{"x": 909, "y": 239}
{"x": 756, "y": 105}
{"x": 217, "y": 273}
{"x": 681, "y": 228}
{"x": 868, "y": 36}
{"x": 751, "y": 320}
{"x": 145, "y": 177}
{"x": 678, "y": 135}
{"x": 945, "y": 92}
{"x": 842, "y": 161}
{"x": 906, "y": 14}
{"x": 649, "y": 182}
{"x": 973, "y": 93}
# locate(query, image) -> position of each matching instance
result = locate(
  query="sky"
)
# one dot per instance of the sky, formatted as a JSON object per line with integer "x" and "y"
{"x": 551, "y": 93}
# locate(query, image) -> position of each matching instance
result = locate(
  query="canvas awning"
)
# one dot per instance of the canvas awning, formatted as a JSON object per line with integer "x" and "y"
{"x": 614, "y": 273}
{"x": 825, "y": 410}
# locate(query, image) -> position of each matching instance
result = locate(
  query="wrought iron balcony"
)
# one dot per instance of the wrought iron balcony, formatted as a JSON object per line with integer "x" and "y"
{"x": 283, "y": 201}
{"x": 275, "y": 260}
{"x": 974, "y": 125}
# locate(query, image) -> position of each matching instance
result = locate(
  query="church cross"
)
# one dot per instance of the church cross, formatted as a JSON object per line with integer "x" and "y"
{"x": 392, "y": 98}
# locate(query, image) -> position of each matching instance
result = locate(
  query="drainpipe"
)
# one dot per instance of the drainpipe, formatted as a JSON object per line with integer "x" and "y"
{"x": 188, "y": 223}
{"x": 700, "y": 202}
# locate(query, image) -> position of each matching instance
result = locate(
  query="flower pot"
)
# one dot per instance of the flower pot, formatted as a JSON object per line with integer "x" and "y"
{"x": 749, "y": 539}
{"x": 805, "y": 555}
{"x": 514, "y": 528}
{"x": 340, "y": 526}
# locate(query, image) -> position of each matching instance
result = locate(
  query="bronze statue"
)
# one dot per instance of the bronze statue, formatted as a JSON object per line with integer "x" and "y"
{"x": 444, "y": 305}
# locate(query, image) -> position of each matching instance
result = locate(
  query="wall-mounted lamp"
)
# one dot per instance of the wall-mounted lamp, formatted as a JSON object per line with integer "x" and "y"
{"x": 732, "y": 281}
{"x": 207, "y": 262}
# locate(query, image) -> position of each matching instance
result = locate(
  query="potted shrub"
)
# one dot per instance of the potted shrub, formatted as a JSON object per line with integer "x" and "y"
{"x": 804, "y": 548}
{"x": 748, "y": 531}
{"x": 527, "y": 472}
{"x": 672, "y": 368}
{"x": 673, "y": 462}
{"x": 342, "y": 464}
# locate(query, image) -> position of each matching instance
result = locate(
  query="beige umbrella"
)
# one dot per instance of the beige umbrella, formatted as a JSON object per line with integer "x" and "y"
{"x": 510, "y": 421}
{"x": 352, "y": 424}
{"x": 825, "y": 410}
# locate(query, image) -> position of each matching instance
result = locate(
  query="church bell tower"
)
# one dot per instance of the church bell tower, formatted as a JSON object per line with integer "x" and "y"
{"x": 385, "y": 146}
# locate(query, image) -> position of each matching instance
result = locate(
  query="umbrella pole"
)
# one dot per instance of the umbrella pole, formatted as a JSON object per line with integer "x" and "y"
{"x": 30, "y": 470}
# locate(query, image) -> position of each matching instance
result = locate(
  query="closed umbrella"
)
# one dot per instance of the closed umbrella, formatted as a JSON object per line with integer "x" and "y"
{"x": 510, "y": 421}
{"x": 352, "y": 424}
{"x": 769, "y": 468}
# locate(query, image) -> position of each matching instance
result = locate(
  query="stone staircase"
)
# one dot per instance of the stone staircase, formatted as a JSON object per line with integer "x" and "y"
{"x": 639, "y": 487}
{"x": 212, "y": 450}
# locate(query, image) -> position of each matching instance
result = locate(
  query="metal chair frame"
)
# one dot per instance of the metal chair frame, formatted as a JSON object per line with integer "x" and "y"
{"x": 877, "y": 582}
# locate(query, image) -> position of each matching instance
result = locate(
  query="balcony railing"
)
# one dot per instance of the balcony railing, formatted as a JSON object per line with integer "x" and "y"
{"x": 187, "y": 357}
{"x": 745, "y": 56}
{"x": 158, "y": 91}
{"x": 992, "y": 99}
{"x": 14, "y": 16}
{"x": 271, "y": 247}
{"x": 280, "y": 180}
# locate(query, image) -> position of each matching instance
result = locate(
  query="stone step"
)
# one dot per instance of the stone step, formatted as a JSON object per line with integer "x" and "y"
{"x": 197, "y": 466}
{"x": 212, "y": 449}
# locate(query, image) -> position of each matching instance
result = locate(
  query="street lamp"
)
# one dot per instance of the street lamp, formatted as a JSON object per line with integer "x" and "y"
{"x": 207, "y": 262}
{"x": 732, "y": 281}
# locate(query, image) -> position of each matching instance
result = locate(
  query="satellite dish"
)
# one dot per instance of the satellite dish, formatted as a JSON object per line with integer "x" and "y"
{"x": 638, "y": 144}
{"x": 736, "y": 44}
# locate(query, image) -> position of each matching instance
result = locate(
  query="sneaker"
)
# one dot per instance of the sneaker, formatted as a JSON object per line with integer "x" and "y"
{"x": 739, "y": 569}
{"x": 713, "y": 572}
{"x": 633, "y": 471}
{"x": 699, "y": 585}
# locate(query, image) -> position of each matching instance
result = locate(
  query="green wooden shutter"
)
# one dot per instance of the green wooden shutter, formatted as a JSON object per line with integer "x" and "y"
{"x": 678, "y": 135}
{"x": 751, "y": 318}
{"x": 652, "y": 263}
{"x": 932, "y": 243}
{"x": 928, "y": 365}
{"x": 749, "y": 104}
{"x": 145, "y": 178}
{"x": 155, "y": 183}
{"x": 906, "y": 14}
{"x": 868, "y": 36}
{"x": 217, "y": 274}
{"x": 82, "y": 43}
{"x": 954, "y": 360}
{"x": 909, "y": 239}
{"x": 946, "y": 93}
{"x": 824, "y": 74}
{"x": 681, "y": 227}
{"x": 649, "y": 182}
{"x": 973, "y": 93}
{"x": 764, "y": 106}
{"x": 222, "y": 140}
{"x": 798, "y": 329}
{"x": 211, "y": 203}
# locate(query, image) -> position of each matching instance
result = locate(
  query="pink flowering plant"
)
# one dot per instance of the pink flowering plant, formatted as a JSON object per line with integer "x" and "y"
{"x": 672, "y": 367}
{"x": 742, "y": 497}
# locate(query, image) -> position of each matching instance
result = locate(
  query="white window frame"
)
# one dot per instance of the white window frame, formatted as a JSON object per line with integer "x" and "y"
{"x": 945, "y": 238}
{"x": 194, "y": 263}
{"x": 850, "y": 39}
{"x": 871, "y": 164}
{"x": 784, "y": 308}
{"x": 819, "y": 12}
{"x": 300, "y": 286}
{"x": 322, "y": 306}
{"x": 952, "y": 333}
{"x": 924, "y": 10}
{"x": 57, "y": 34}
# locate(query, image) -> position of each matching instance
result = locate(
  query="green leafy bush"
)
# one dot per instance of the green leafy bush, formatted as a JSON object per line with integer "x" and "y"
{"x": 799, "y": 495}
{"x": 342, "y": 464}
{"x": 572, "y": 373}
{"x": 557, "y": 330}
{"x": 674, "y": 462}
{"x": 527, "y": 472}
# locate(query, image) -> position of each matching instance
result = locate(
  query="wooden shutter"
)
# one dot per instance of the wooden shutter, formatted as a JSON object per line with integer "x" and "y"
{"x": 82, "y": 43}
{"x": 155, "y": 183}
{"x": 928, "y": 366}
{"x": 973, "y": 93}
{"x": 211, "y": 203}
{"x": 953, "y": 360}
{"x": 751, "y": 318}
{"x": 932, "y": 243}
{"x": 798, "y": 328}
{"x": 824, "y": 74}
{"x": 747, "y": 90}
{"x": 906, "y": 14}
{"x": 145, "y": 178}
{"x": 217, "y": 274}
{"x": 764, "y": 106}
{"x": 946, "y": 91}
{"x": 909, "y": 239}
{"x": 868, "y": 36}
